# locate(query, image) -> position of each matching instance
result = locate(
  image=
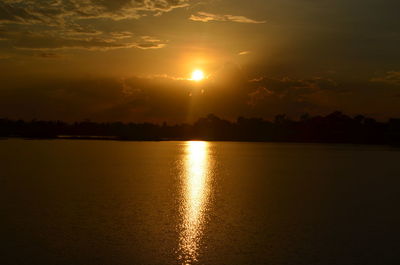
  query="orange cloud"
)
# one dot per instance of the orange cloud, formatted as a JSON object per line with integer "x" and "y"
{"x": 207, "y": 17}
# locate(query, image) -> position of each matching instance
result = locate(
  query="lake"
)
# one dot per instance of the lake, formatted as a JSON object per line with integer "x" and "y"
{"x": 67, "y": 202}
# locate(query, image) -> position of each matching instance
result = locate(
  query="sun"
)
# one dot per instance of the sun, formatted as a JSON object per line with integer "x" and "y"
{"x": 197, "y": 75}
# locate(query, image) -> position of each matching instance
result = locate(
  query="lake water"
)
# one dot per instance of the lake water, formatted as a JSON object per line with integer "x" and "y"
{"x": 66, "y": 202}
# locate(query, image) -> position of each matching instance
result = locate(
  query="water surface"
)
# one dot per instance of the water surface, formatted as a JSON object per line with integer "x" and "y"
{"x": 110, "y": 202}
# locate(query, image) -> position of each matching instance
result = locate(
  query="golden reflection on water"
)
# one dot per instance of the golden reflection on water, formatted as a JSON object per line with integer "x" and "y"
{"x": 196, "y": 191}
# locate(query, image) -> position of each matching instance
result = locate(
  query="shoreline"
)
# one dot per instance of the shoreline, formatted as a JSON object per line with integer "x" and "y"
{"x": 121, "y": 139}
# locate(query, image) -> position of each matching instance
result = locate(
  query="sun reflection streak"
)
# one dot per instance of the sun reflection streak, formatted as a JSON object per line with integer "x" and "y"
{"x": 195, "y": 198}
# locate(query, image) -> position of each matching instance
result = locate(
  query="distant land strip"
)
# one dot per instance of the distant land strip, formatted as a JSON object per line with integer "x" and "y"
{"x": 333, "y": 128}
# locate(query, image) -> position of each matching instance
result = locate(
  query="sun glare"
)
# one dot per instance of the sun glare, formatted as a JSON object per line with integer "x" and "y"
{"x": 197, "y": 75}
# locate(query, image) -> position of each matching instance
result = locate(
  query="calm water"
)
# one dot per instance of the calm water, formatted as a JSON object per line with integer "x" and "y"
{"x": 104, "y": 202}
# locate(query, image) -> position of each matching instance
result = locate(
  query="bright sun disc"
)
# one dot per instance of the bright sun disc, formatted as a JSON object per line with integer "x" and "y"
{"x": 197, "y": 75}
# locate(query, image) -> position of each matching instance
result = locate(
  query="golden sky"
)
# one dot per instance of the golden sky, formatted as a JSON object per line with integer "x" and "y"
{"x": 132, "y": 60}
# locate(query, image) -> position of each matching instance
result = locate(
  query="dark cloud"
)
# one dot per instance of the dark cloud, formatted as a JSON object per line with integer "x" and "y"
{"x": 160, "y": 98}
{"x": 294, "y": 88}
{"x": 288, "y": 95}
{"x": 140, "y": 99}
{"x": 228, "y": 94}
{"x": 48, "y": 55}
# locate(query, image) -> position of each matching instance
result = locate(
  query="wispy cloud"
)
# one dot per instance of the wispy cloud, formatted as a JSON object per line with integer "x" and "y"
{"x": 244, "y": 52}
{"x": 391, "y": 77}
{"x": 52, "y": 40}
{"x": 62, "y": 24}
{"x": 67, "y": 11}
{"x": 208, "y": 17}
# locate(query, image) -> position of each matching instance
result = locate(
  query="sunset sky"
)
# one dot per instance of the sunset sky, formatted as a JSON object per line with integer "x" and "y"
{"x": 133, "y": 60}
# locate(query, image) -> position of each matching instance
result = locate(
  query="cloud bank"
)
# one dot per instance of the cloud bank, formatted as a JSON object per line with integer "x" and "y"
{"x": 157, "y": 99}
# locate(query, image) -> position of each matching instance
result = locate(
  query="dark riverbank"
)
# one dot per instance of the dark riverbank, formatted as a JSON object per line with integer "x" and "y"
{"x": 333, "y": 128}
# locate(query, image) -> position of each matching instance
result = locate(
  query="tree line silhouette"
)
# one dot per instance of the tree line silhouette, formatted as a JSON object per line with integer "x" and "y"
{"x": 333, "y": 128}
